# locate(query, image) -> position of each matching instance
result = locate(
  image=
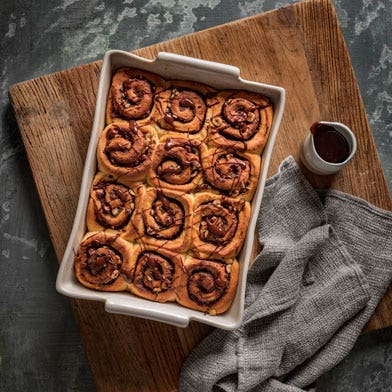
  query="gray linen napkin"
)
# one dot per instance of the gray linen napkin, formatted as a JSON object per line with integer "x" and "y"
{"x": 325, "y": 264}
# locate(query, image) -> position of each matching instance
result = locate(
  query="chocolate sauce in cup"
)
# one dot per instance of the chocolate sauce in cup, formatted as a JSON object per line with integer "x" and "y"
{"x": 328, "y": 147}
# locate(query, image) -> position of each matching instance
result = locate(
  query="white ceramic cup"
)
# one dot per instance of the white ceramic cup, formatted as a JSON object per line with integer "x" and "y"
{"x": 312, "y": 160}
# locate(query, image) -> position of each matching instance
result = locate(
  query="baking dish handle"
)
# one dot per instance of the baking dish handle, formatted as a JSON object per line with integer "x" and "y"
{"x": 172, "y": 319}
{"x": 204, "y": 65}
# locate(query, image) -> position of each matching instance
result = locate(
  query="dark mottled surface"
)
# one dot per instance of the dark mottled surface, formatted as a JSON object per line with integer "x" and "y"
{"x": 40, "y": 347}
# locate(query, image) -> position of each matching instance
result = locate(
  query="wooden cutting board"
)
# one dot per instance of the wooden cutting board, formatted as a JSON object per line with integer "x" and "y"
{"x": 299, "y": 47}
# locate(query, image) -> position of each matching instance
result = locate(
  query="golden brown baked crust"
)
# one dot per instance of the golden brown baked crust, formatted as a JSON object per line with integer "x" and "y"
{"x": 182, "y": 108}
{"x": 114, "y": 207}
{"x": 154, "y": 273}
{"x": 239, "y": 120}
{"x": 132, "y": 95}
{"x": 125, "y": 150}
{"x": 219, "y": 226}
{"x": 208, "y": 286}
{"x": 169, "y": 208}
{"x": 101, "y": 260}
{"x": 165, "y": 220}
{"x": 176, "y": 165}
{"x": 231, "y": 173}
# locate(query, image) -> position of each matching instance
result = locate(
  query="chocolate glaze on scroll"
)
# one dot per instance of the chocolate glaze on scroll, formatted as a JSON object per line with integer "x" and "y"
{"x": 125, "y": 150}
{"x": 100, "y": 261}
{"x": 208, "y": 285}
{"x": 219, "y": 226}
{"x": 154, "y": 273}
{"x": 132, "y": 95}
{"x": 239, "y": 120}
{"x": 176, "y": 165}
{"x": 231, "y": 173}
{"x": 114, "y": 207}
{"x": 182, "y": 109}
{"x": 169, "y": 208}
{"x": 165, "y": 219}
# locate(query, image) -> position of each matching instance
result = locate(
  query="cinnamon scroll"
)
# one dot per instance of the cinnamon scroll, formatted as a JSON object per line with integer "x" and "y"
{"x": 154, "y": 273}
{"x": 232, "y": 173}
{"x": 125, "y": 150}
{"x": 182, "y": 108}
{"x": 165, "y": 219}
{"x": 132, "y": 94}
{"x": 114, "y": 207}
{"x": 176, "y": 165}
{"x": 101, "y": 260}
{"x": 208, "y": 285}
{"x": 219, "y": 226}
{"x": 239, "y": 120}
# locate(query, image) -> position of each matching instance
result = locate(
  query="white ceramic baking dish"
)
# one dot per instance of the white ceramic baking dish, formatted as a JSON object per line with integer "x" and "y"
{"x": 170, "y": 66}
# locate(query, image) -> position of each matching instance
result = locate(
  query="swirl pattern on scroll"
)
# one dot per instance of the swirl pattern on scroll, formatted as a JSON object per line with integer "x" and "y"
{"x": 132, "y": 95}
{"x": 219, "y": 226}
{"x": 208, "y": 285}
{"x": 112, "y": 206}
{"x": 125, "y": 150}
{"x": 235, "y": 174}
{"x": 176, "y": 164}
{"x": 154, "y": 273}
{"x": 166, "y": 219}
{"x": 100, "y": 260}
{"x": 239, "y": 120}
{"x": 182, "y": 108}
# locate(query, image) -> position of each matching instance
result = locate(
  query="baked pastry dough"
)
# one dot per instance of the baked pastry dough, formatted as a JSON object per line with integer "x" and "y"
{"x": 125, "y": 150}
{"x": 176, "y": 165}
{"x": 100, "y": 261}
{"x": 234, "y": 174}
{"x": 131, "y": 95}
{"x": 219, "y": 226}
{"x": 239, "y": 120}
{"x": 208, "y": 286}
{"x": 114, "y": 207}
{"x": 182, "y": 108}
{"x": 154, "y": 273}
{"x": 165, "y": 219}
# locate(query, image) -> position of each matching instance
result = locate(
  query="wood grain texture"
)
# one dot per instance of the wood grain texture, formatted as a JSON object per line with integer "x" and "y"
{"x": 299, "y": 47}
